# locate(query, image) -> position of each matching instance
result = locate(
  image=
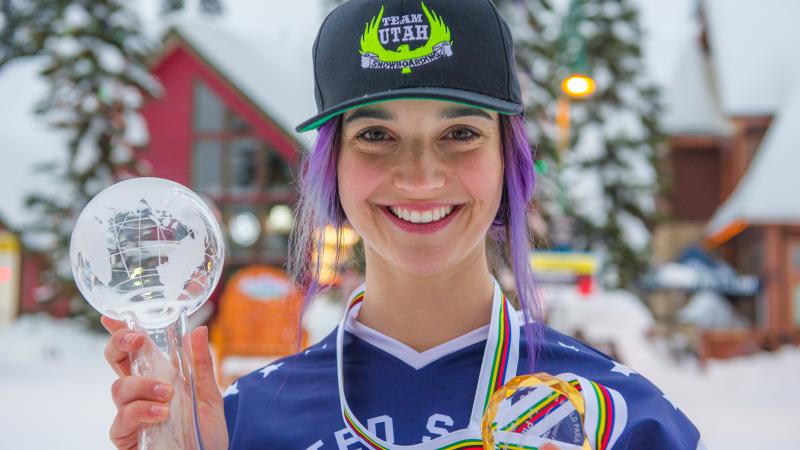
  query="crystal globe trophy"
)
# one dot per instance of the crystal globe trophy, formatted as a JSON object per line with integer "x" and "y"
{"x": 149, "y": 252}
{"x": 537, "y": 411}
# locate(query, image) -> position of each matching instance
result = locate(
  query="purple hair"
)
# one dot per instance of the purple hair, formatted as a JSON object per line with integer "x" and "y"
{"x": 319, "y": 206}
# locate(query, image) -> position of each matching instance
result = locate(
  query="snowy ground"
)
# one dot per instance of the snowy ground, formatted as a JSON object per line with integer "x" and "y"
{"x": 54, "y": 389}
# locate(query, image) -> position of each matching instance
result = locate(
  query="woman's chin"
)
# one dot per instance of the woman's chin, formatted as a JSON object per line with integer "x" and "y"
{"x": 423, "y": 264}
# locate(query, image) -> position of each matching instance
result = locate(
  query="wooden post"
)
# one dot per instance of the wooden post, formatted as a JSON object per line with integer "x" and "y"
{"x": 778, "y": 318}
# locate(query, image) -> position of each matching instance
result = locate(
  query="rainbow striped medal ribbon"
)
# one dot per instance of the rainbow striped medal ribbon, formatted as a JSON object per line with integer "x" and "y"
{"x": 499, "y": 366}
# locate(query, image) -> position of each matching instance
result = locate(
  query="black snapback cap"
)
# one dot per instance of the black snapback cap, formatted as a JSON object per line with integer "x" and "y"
{"x": 369, "y": 51}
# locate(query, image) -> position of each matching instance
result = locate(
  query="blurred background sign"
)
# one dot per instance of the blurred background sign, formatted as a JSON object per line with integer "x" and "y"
{"x": 9, "y": 276}
{"x": 566, "y": 268}
{"x": 259, "y": 316}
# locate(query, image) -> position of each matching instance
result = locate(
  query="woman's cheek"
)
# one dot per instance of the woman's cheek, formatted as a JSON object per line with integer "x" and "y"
{"x": 358, "y": 180}
{"x": 483, "y": 177}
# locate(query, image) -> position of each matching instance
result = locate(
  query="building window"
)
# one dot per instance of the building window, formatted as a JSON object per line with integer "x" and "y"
{"x": 796, "y": 258}
{"x": 796, "y": 301}
{"x": 243, "y": 175}
{"x": 205, "y": 167}
{"x": 695, "y": 182}
{"x": 209, "y": 111}
{"x": 229, "y": 159}
{"x": 278, "y": 173}
{"x": 243, "y": 167}
{"x": 794, "y": 278}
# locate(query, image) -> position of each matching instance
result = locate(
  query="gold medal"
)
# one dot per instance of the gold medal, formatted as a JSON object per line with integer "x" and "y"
{"x": 522, "y": 413}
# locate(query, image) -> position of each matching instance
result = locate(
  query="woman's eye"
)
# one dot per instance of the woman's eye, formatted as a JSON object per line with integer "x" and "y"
{"x": 462, "y": 134}
{"x": 373, "y": 135}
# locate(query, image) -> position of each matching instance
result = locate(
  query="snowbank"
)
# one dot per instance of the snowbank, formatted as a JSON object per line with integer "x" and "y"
{"x": 616, "y": 317}
{"x": 55, "y": 386}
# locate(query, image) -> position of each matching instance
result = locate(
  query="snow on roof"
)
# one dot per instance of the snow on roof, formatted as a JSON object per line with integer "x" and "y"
{"x": 277, "y": 79}
{"x": 263, "y": 47}
{"x": 768, "y": 191}
{"x": 692, "y": 105}
{"x": 666, "y": 25}
{"x": 754, "y": 51}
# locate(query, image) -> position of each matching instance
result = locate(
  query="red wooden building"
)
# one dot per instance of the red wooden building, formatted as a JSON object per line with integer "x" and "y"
{"x": 224, "y": 128}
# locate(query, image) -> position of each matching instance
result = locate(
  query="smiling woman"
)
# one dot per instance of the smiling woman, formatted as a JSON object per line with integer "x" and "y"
{"x": 417, "y": 162}
{"x": 384, "y": 168}
{"x": 423, "y": 152}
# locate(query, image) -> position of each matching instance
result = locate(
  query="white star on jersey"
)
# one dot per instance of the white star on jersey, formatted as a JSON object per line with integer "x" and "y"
{"x": 310, "y": 349}
{"x": 622, "y": 369}
{"x": 572, "y": 347}
{"x": 233, "y": 389}
{"x": 269, "y": 369}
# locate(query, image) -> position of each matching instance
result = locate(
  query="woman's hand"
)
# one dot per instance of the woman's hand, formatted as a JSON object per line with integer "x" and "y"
{"x": 142, "y": 400}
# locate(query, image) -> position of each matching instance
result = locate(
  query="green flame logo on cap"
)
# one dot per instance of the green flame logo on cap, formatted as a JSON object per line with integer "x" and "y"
{"x": 374, "y": 56}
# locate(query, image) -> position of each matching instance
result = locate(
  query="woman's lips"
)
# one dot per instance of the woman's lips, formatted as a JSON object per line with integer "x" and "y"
{"x": 429, "y": 227}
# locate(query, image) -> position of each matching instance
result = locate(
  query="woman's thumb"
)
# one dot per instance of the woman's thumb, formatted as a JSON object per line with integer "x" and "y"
{"x": 206, "y": 380}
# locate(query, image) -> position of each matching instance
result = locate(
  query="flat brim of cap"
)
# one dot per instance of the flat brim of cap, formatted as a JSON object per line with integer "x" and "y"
{"x": 422, "y": 93}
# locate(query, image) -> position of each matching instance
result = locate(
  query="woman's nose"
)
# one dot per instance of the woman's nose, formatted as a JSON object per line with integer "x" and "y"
{"x": 419, "y": 170}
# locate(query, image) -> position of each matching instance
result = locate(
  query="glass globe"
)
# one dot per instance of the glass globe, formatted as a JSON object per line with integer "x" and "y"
{"x": 146, "y": 249}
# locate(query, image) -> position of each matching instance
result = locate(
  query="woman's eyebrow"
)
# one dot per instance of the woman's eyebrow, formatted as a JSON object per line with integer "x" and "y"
{"x": 369, "y": 113}
{"x": 464, "y": 111}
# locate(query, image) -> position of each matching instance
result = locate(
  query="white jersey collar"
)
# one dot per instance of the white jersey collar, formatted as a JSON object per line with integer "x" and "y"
{"x": 406, "y": 354}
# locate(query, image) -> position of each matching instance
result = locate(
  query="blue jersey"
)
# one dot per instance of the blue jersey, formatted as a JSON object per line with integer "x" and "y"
{"x": 406, "y": 398}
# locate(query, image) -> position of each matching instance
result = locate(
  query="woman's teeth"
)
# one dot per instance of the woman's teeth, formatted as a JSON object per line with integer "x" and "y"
{"x": 421, "y": 216}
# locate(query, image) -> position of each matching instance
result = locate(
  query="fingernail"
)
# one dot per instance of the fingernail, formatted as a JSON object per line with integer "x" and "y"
{"x": 130, "y": 338}
{"x": 162, "y": 391}
{"x": 158, "y": 411}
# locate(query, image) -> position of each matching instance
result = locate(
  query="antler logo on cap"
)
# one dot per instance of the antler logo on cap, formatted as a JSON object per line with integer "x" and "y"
{"x": 404, "y": 30}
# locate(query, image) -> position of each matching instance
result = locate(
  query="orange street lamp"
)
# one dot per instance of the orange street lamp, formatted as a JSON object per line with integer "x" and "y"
{"x": 578, "y": 86}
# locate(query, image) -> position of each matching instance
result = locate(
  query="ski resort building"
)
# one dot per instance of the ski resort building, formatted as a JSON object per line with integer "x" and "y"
{"x": 733, "y": 110}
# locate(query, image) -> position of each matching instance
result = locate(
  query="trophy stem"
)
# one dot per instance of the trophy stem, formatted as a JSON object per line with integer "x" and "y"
{"x": 167, "y": 356}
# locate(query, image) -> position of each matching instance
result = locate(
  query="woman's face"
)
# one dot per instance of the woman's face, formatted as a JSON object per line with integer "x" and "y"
{"x": 421, "y": 181}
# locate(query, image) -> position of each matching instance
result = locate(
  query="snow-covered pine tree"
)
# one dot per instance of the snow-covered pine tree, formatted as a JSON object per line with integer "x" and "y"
{"x": 96, "y": 70}
{"x": 95, "y": 63}
{"x": 606, "y": 179}
{"x": 25, "y": 26}
{"x": 207, "y": 6}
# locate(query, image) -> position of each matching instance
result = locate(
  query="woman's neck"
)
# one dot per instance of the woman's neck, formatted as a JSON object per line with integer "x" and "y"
{"x": 423, "y": 312}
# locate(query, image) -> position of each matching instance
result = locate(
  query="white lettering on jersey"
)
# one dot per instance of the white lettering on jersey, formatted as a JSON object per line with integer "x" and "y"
{"x": 388, "y": 426}
{"x": 315, "y": 446}
{"x": 345, "y": 438}
{"x": 434, "y": 427}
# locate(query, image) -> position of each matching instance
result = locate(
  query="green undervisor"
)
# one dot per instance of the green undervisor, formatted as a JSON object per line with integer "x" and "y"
{"x": 320, "y": 122}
